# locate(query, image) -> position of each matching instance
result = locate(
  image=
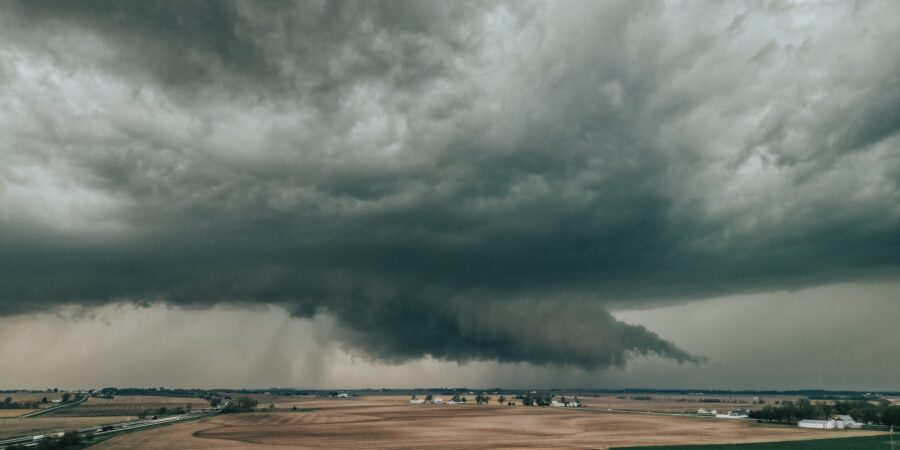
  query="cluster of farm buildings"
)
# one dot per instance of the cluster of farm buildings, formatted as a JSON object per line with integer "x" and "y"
{"x": 437, "y": 400}
{"x": 838, "y": 422}
{"x": 835, "y": 423}
{"x": 736, "y": 414}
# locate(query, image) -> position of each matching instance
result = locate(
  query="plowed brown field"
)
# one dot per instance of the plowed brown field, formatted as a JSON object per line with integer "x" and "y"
{"x": 392, "y": 423}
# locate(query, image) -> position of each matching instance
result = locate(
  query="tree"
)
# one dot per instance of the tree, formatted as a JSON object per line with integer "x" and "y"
{"x": 428, "y": 398}
{"x": 66, "y": 396}
{"x": 241, "y": 404}
{"x": 501, "y": 400}
{"x": 7, "y": 400}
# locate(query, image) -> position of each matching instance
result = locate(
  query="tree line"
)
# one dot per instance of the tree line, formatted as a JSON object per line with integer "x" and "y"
{"x": 8, "y": 403}
{"x": 877, "y": 413}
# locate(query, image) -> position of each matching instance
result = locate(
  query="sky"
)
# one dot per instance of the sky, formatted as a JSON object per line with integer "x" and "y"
{"x": 404, "y": 193}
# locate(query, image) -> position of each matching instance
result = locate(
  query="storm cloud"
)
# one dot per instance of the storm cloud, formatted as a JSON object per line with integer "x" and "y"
{"x": 456, "y": 179}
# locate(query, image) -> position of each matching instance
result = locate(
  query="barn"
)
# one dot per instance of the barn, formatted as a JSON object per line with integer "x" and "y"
{"x": 818, "y": 424}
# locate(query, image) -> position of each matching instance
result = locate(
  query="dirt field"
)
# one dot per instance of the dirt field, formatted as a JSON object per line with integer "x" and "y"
{"x": 18, "y": 427}
{"x": 381, "y": 423}
{"x": 14, "y": 412}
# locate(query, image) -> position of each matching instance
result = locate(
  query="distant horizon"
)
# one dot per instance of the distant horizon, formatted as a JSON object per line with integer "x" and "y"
{"x": 533, "y": 193}
{"x": 483, "y": 389}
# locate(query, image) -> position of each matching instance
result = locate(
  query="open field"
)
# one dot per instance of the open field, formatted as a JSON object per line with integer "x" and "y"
{"x": 120, "y": 399}
{"x": 857, "y": 443}
{"x": 127, "y": 406}
{"x": 678, "y": 403}
{"x": 390, "y": 422}
{"x": 17, "y": 427}
{"x": 30, "y": 396}
{"x": 15, "y": 412}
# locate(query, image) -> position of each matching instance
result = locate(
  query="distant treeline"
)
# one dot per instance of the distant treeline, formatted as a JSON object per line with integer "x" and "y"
{"x": 8, "y": 403}
{"x": 159, "y": 392}
{"x": 879, "y": 413}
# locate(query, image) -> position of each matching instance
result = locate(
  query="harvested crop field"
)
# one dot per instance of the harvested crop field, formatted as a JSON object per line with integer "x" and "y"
{"x": 15, "y": 412}
{"x": 40, "y": 425}
{"x": 392, "y": 425}
{"x": 127, "y": 406}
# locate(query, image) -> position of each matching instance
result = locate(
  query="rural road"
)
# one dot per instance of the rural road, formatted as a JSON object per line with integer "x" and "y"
{"x": 64, "y": 405}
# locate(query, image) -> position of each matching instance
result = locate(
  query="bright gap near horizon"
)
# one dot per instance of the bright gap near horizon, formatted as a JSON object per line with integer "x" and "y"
{"x": 263, "y": 347}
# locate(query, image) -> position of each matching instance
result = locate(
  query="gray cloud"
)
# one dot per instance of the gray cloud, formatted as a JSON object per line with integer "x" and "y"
{"x": 463, "y": 180}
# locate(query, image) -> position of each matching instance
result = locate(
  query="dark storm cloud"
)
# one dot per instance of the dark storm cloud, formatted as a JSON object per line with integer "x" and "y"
{"x": 465, "y": 180}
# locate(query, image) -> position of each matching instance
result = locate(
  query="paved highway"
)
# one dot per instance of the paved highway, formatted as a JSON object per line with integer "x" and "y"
{"x": 108, "y": 429}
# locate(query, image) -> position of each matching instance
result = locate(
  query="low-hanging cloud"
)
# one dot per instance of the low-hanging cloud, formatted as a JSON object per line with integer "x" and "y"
{"x": 462, "y": 180}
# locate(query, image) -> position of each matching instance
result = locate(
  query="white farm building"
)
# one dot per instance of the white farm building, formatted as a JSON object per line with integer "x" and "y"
{"x": 845, "y": 421}
{"x": 817, "y": 424}
{"x": 837, "y": 423}
{"x": 737, "y": 414}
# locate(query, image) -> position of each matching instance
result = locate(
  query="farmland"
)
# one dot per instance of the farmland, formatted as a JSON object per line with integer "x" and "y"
{"x": 24, "y": 402}
{"x": 128, "y": 406}
{"x": 677, "y": 403}
{"x": 23, "y": 396}
{"x": 391, "y": 422}
{"x": 15, "y": 412}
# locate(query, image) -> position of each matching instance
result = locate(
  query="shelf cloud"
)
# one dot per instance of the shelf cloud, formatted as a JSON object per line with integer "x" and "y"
{"x": 470, "y": 181}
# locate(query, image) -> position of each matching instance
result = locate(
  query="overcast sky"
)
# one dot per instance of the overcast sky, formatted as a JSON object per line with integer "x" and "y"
{"x": 528, "y": 193}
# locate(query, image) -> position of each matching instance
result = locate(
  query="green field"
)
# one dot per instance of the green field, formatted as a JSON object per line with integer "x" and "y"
{"x": 859, "y": 443}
